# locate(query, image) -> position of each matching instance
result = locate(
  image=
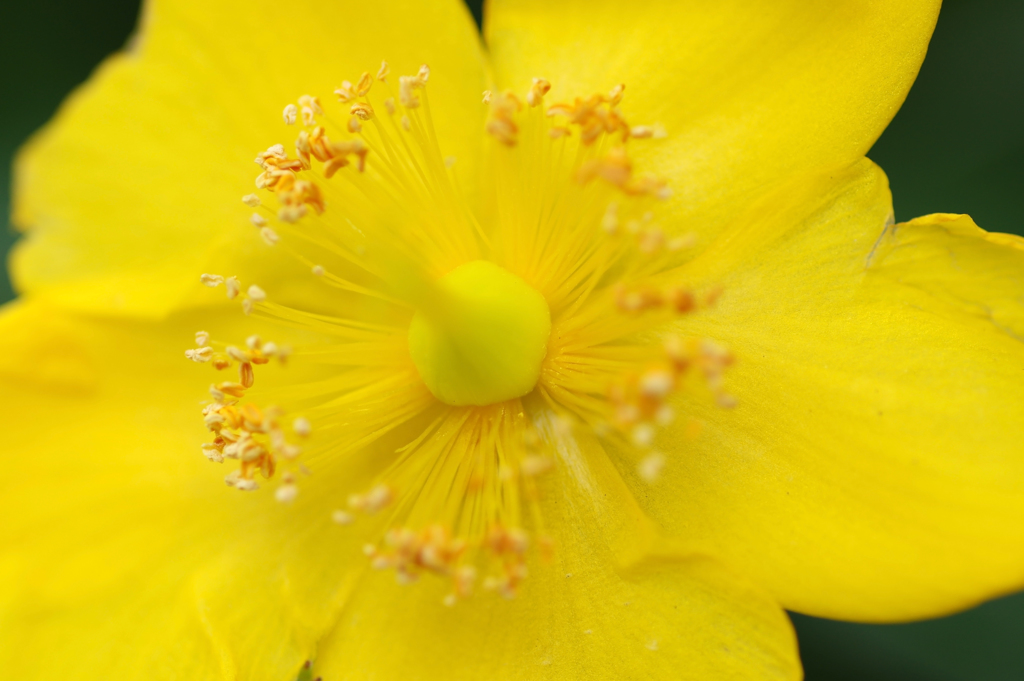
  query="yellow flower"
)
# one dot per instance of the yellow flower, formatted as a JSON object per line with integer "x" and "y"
{"x": 508, "y": 329}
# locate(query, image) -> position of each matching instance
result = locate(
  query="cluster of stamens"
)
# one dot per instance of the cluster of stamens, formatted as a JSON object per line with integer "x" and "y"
{"x": 494, "y": 555}
{"x": 244, "y": 432}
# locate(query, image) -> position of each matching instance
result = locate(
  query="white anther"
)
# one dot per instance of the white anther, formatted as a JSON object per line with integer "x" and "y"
{"x": 291, "y": 113}
{"x": 202, "y": 338}
{"x": 311, "y": 102}
{"x": 269, "y": 349}
{"x": 383, "y": 71}
{"x": 210, "y": 452}
{"x": 252, "y": 342}
{"x": 656, "y": 384}
{"x": 233, "y": 286}
{"x": 342, "y": 517}
{"x": 487, "y": 96}
{"x": 257, "y": 294}
{"x": 238, "y": 354}
{"x": 424, "y": 73}
{"x": 246, "y": 485}
{"x": 362, "y": 111}
{"x": 251, "y": 200}
{"x": 291, "y": 214}
{"x": 650, "y": 466}
{"x": 301, "y": 427}
{"x": 200, "y": 355}
{"x": 211, "y": 280}
{"x": 258, "y": 220}
{"x": 308, "y": 117}
{"x": 407, "y": 86}
{"x": 217, "y": 394}
{"x": 269, "y": 236}
{"x": 213, "y": 419}
{"x": 286, "y": 493}
{"x": 318, "y": 271}
{"x": 247, "y": 306}
{"x": 643, "y": 435}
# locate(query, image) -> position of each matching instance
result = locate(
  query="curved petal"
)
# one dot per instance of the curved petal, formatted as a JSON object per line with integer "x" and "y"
{"x": 749, "y": 92}
{"x": 575, "y": 617}
{"x": 122, "y": 555}
{"x": 122, "y": 558}
{"x": 133, "y": 190}
{"x": 873, "y": 467}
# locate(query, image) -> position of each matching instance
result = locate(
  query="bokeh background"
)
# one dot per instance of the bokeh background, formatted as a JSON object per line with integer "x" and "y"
{"x": 957, "y": 146}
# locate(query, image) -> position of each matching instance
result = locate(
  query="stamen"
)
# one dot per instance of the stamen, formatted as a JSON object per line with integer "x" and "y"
{"x": 372, "y": 207}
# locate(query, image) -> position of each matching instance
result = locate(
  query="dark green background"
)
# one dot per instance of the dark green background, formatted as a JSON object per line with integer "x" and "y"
{"x": 957, "y": 146}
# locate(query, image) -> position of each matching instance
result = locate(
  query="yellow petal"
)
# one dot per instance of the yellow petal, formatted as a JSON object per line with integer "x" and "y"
{"x": 134, "y": 189}
{"x": 873, "y": 467}
{"x": 748, "y": 92}
{"x": 122, "y": 555}
{"x": 575, "y": 617}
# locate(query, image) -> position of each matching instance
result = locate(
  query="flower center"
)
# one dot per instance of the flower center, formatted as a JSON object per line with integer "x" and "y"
{"x": 484, "y": 337}
{"x": 458, "y": 347}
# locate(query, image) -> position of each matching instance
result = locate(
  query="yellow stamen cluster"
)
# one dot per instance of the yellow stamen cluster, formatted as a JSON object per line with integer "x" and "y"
{"x": 616, "y": 168}
{"x": 573, "y": 220}
{"x": 244, "y": 432}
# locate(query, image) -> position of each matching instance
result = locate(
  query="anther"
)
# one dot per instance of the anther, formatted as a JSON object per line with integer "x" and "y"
{"x": 383, "y": 72}
{"x": 211, "y": 280}
{"x": 246, "y": 375}
{"x": 269, "y": 236}
{"x": 650, "y": 467}
{"x": 251, "y": 200}
{"x": 407, "y": 86}
{"x": 204, "y": 354}
{"x": 233, "y": 287}
{"x": 258, "y": 220}
{"x": 238, "y": 354}
{"x": 364, "y": 84}
{"x": 286, "y": 493}
{"x": 313, "y": 103}
{"x": 202, "y": 338}
{"x": 537, "y": 91}
{"x": 291, "y": 113}
{"x": 362, "y": 110}
{"x": 301, "y": 427}
{"x": 342, "y": 517}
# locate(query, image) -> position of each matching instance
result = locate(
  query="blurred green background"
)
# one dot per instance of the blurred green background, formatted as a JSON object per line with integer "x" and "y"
{"x": 957, "y": 146}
